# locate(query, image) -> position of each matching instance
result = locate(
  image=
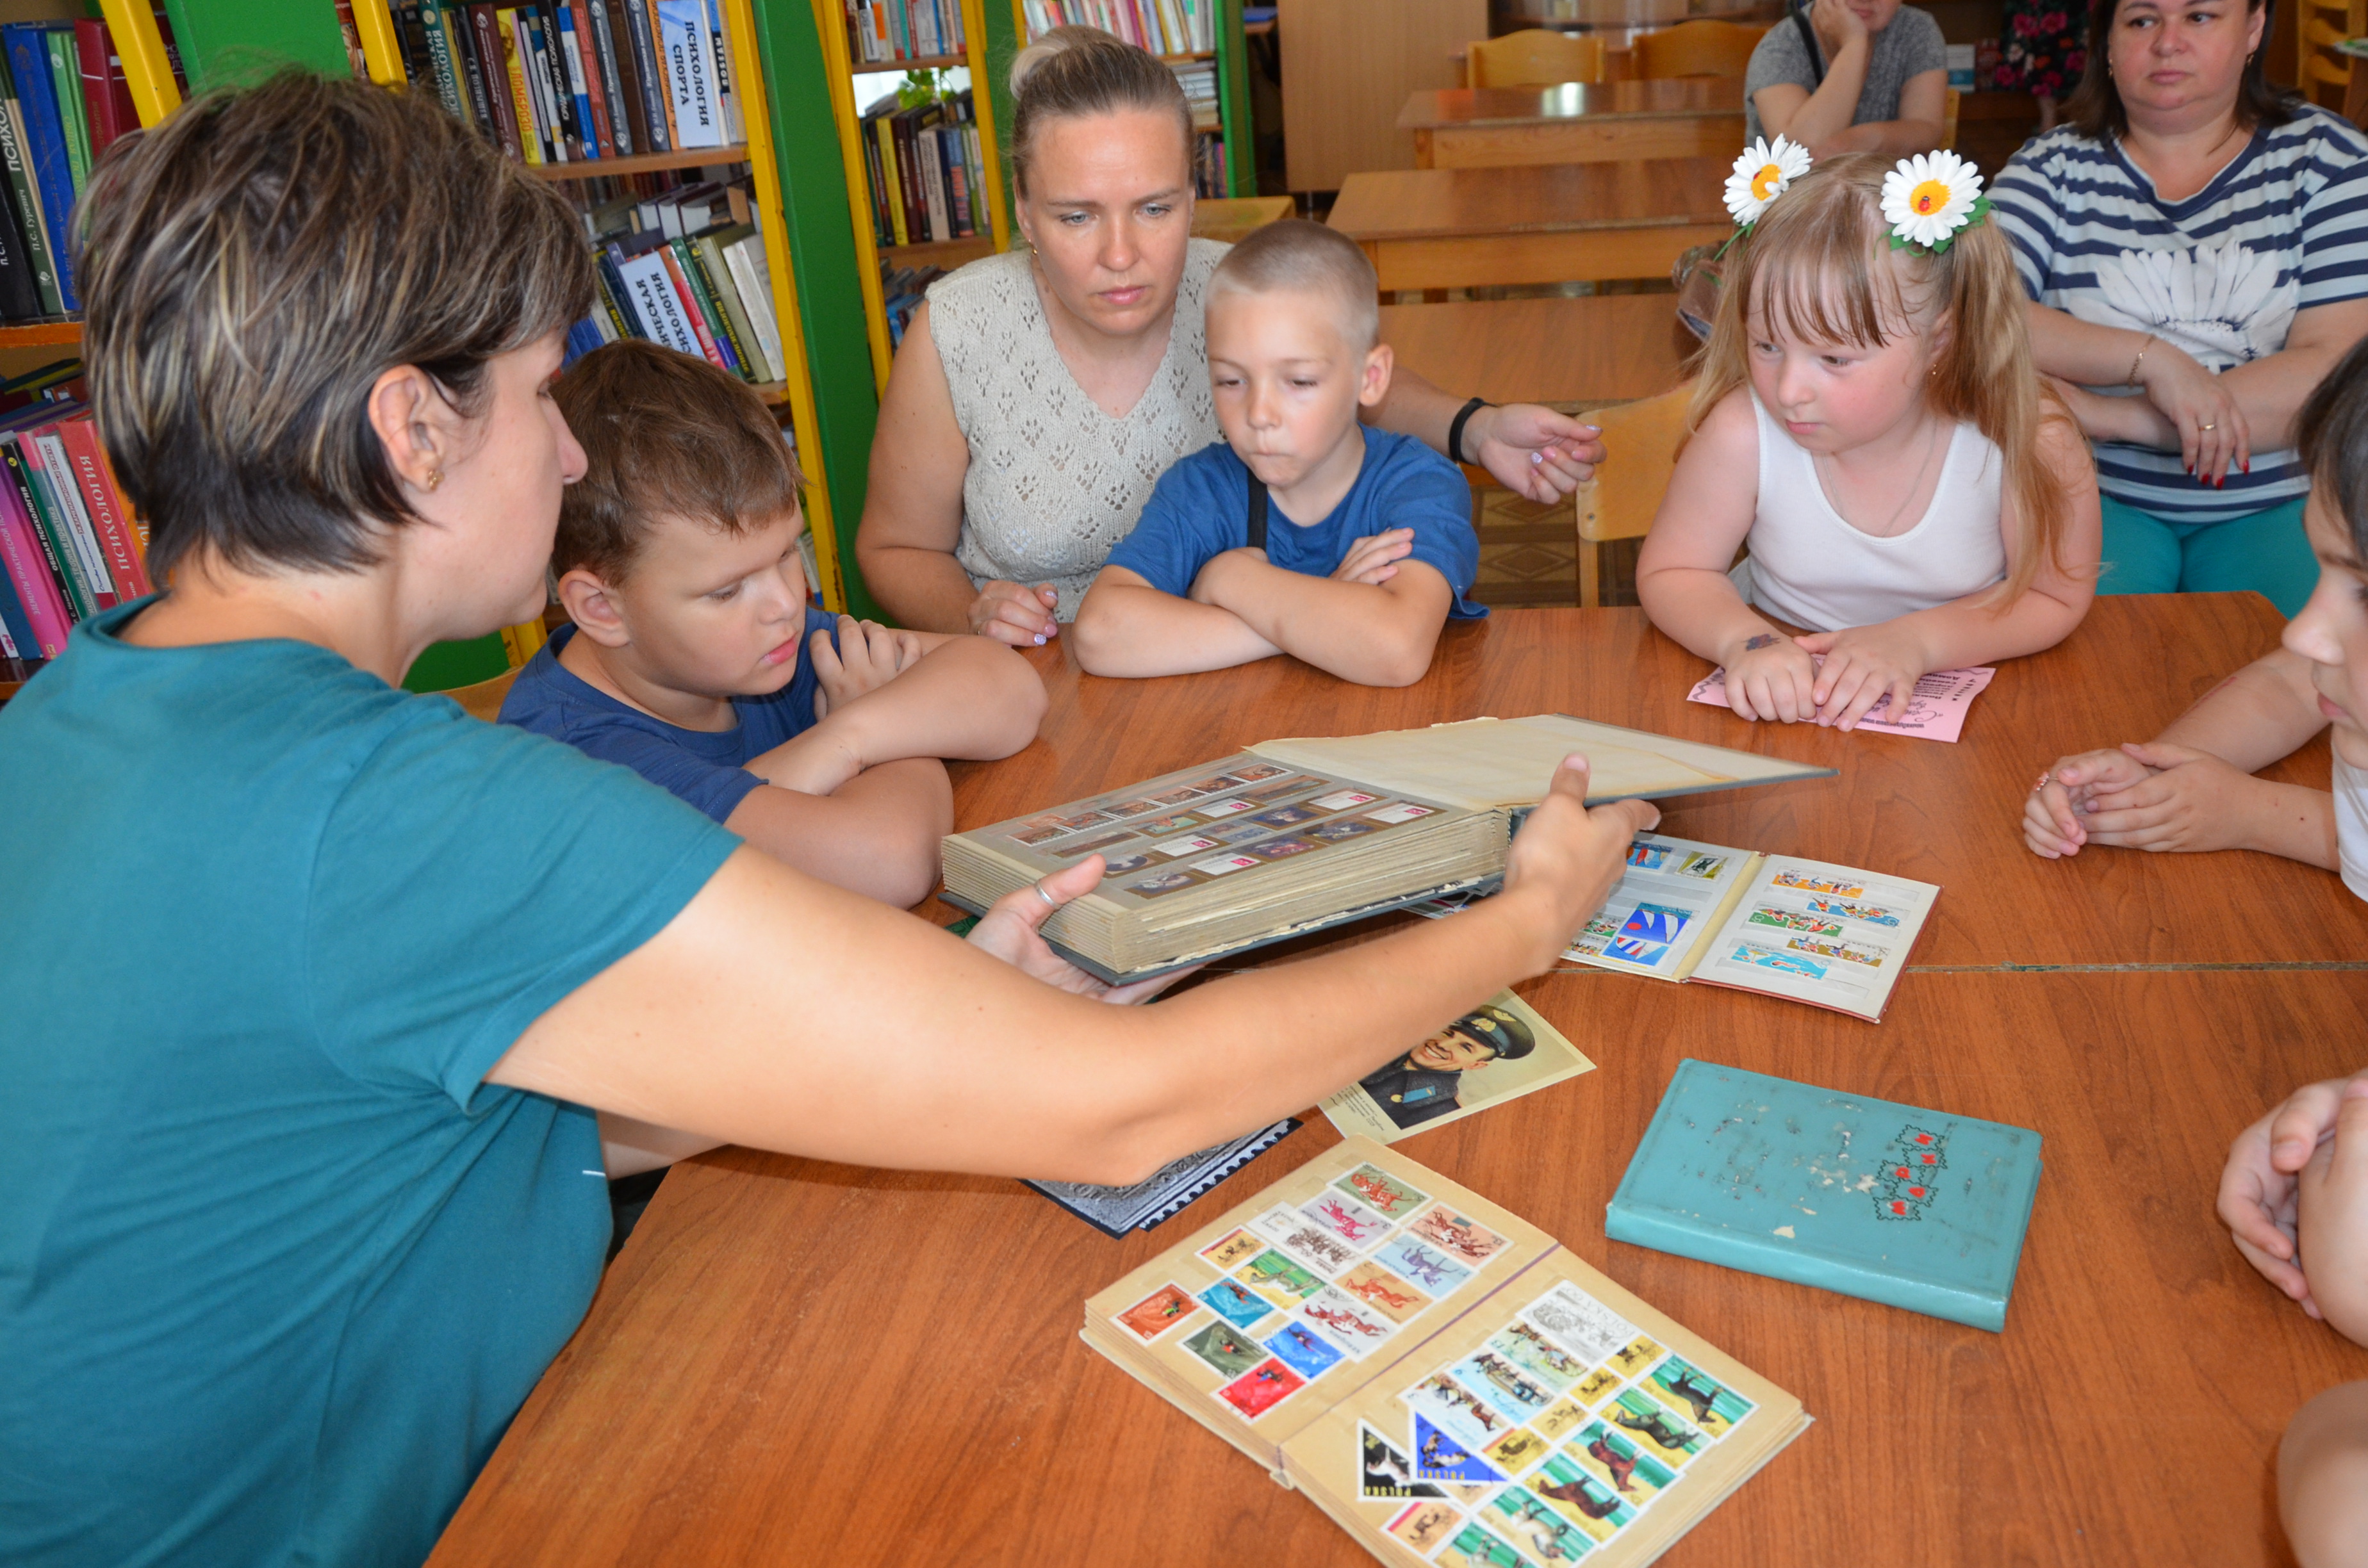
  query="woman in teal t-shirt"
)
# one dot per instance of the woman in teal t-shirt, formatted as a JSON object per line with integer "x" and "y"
{"x": 313, "y": 981}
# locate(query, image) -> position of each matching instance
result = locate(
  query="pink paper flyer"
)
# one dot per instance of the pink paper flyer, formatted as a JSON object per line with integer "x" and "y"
{"x": 1937, "y": 711}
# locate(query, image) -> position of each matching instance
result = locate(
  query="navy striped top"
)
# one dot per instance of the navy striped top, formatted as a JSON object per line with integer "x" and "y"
{"x": 2282, "y": 228}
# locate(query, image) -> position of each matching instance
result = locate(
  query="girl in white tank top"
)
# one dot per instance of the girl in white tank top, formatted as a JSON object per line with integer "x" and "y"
{"x": 1868, "y": 425}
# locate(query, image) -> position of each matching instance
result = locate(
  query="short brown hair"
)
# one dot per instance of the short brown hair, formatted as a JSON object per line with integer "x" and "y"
{"x": 1295, "y": 254}
{"x": 662, "y": 435}
{"x": 1077, "y": 70}
{"x": 251, "y": 268}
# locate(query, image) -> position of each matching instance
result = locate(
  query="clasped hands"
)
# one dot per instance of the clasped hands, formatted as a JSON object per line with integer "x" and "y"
{"x": 2150, "y": 796}
{"x": 2295, "y": 1197}
{"x": 1769, "y": 676}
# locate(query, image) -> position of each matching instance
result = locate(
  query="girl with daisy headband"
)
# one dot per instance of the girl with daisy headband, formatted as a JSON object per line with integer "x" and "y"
{"x": 1866, "y": 420}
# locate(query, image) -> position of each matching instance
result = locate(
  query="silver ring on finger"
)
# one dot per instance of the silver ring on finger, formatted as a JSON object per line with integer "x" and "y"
{"x": 2207, "y": 426}
{"x": 1050, "y": 900}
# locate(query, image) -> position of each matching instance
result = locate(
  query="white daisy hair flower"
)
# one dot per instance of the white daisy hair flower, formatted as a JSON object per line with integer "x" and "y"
{"x": 1761, "y": 173}
{"x": 1927, "y": 198}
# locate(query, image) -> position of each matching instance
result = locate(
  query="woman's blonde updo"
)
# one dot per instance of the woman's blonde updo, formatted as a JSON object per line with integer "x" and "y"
{"x": 251, "y": 266}
{"x": 1078, "y": 70}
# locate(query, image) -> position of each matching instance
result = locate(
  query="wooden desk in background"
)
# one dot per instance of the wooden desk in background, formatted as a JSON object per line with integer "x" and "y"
{"x": 798, "y": 1362}
{"x": 1565, "y": 222}
{"x": 1606, "y": 349}
{"x": 1577, "y": 122}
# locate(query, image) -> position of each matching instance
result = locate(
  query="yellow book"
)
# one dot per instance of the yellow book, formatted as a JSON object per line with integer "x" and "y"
{"x": 893, "y": 188}
{"x": 529, "y": 138}
{"x": 1443, "y": 1379}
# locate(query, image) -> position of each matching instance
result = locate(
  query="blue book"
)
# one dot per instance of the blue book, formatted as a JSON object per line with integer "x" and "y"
{"x": 45, "y": 129}
{"x": 1894, "y": 1203}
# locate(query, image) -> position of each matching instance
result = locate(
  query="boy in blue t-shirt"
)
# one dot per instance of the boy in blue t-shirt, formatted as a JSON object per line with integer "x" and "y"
{"x": 696, "y": 661}
{"x": 1368, "y": 545}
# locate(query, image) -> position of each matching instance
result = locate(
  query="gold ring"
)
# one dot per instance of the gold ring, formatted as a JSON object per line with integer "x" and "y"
{"x": 2207, "y": 426}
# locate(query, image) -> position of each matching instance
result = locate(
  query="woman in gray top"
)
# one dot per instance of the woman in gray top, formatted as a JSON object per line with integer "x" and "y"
{"x": 1874, "y": 79}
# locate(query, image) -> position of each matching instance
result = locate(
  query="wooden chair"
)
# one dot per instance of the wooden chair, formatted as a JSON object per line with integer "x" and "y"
{"x": 1535, "y": 57}
{"x": 1640, "y": 441}
{"x": 483, "y": 701}
{"x": 2326, "y": 71}
{"x": 1700, "y": 48}
{"x": 1949, "y": 116}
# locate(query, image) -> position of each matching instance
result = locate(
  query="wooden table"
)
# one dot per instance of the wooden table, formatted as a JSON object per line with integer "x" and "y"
{"x": 1558, "y": 223}
{"x": 795, "y": 1362}
{"x": 1233, "y": 219}
{"x": 1576, "y": 122}
{"x": 1606, "y": 349}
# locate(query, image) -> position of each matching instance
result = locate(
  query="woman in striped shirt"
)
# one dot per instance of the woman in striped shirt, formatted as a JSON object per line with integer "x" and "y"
{"x": 2201, "y": 238}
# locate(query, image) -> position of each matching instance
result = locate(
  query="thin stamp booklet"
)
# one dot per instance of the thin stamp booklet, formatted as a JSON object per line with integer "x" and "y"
{"x": 1936, "y": 709}
{"x": 1829, "y": 936}
{"x": 1115, "y": 1211}
{"x": 1293, "y": 836}
{"x": 1439, "y": 1376}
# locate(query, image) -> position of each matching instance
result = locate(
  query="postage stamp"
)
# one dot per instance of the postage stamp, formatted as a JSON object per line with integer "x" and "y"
{"x": 1424, "y": 1525}
{"x": 1405, "y": 811}
{"x": 1636, "y": 950}
{"x": 1333, "y": 832}
{"x": 1032, "y": 837}
{"x": 1565, "y": 1416}
{"x": 1283, "y": 848}
{"x": 1809, "y": 881}
{"x": 1222, "y": 865}
{"x": 1191, "y": 843}
{"x": 1088, "y": 847}
{"x": 1424, "y": 1264}
{"x": 1225, "y": 1348}
{"x": 1593, "y": 1387}
{"x": 1668, "y": 1437}
{"x": 1178, "y": 795}
{"x": 1235, "y": 1304}
{"x": 1286, "y": 817}
{"x": 1648, "y": 857}
{"x": 1134, "y": 808}
{"x": 1636, "y": 1356}
{"x": 1262, "y": 1388}
{"x": 1474, "y": 1547}
{"x": 1690, "y": 1391}
{"x": 1522, "y": 1345}
{"x": 1341, "y": 799}
{"x": 1614, "y": 1459}
{"x": 1354, "y": 1325}
{"x": 1258, "y": 772}
{"x": 1794, "y": 920}
{"x": 1382, "y": 1290}
{"x": 1842, "y": 908}
{"x": 1303, "y": 1349}
{"x": 1439, "y": 1457}
{"x": 1380, "y": 1191}
{"x": 1513, "y": 1392}
{"x": 1164, "y": 883}
{"x": 1584, "y": 1327}
{"x": 1865, "y": 953}
{"x": 1464, "y": 1238}
{"x": 1124, "y": 864}
{"x": 1584, "y": 1500}
{"x": 1279, "y": 1279}
{"x": 1346, "y": 1217}
{"x": 1231, "y": 1248}
{"x": 1388, "y": 1473}
{"x": 1541, "y": 1533}
{"x": 1314, "y": 1246}
{"x": 1783, "y": 964}
{"x": 1517, "y": 1451}
{"x": 1232, "y": 806}
{"x": 1656, "y": 923}
{"x": 1157, "y": 1314}
{"x": 1159, "y": 826}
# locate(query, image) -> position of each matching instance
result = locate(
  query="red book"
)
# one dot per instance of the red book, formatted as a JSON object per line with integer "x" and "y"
{"x": 690, "y": 306}
{"x": 106, "y": 93}
{"x": 108, "y": 513}
{"x": 22, "y": 557}
{"x": 603, "y": 134}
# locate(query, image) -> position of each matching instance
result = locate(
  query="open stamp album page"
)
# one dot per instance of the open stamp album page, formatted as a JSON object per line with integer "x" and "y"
{"x": 1495, "y": 1053}
{"x": 1439, "y": 1375}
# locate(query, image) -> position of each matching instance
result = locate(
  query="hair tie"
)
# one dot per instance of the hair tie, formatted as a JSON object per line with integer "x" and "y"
{"x": 1928, "y": 198}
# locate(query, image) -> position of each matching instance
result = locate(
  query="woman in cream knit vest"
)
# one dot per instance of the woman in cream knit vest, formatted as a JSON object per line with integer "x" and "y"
{"x": 1039, "y": 394}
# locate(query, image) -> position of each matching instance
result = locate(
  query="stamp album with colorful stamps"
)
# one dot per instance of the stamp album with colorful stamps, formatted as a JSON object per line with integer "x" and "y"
{"x": 1439, "y": 1376}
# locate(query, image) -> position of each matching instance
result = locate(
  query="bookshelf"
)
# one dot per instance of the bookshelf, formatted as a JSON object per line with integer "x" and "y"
{"x": 839, "y": 71}
{"x": 1231, "y": 58}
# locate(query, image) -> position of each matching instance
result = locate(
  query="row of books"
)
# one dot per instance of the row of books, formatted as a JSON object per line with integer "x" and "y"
{"x": 63, "y": 99}
{"x": 70, "y": 545}
{"x": 576, "y": 81}
{"x": 1163, "y": 26}
{"x": 902, "y": 289}
{"x": 879, "y": 31}
{"x": 923, "y": 170}
{"x": 687, "y": 270}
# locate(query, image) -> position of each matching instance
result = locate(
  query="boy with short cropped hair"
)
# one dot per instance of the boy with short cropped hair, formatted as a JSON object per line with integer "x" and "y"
{"x": 1303, "y": 532}
{"x": 696, "y": 660}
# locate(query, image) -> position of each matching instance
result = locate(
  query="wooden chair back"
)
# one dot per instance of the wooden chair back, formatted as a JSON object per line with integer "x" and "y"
{"x": 1640, "y": 443}
{"x": 2326, "y": 71}
{"x": 1704, "y": 47}
{"x": 483, "y": 701}
{"x": 1949, "y": 117}
{"x": 1535, "y": 57}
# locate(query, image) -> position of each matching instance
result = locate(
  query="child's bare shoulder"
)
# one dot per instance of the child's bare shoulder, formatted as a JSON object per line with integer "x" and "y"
{"x": 1729, "y": 432}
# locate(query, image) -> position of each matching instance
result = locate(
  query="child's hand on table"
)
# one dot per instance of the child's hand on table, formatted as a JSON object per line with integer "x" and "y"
{"x": 1864, "y": 667}
{"x": 2332, "y": 1210}
{"x": 1374, "y": 559}
{"x": 868, "y": 657}
{"x": 2314, "y": 1146}
{"x": 2153, "y": 797}
{"x": 1008, "y": 931}
{"x": 1771, "y": 676}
